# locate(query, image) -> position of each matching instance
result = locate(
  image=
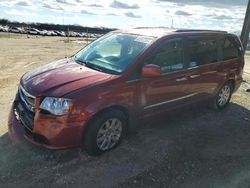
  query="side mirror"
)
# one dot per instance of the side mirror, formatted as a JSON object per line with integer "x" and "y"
{"x": 151, "y": 70}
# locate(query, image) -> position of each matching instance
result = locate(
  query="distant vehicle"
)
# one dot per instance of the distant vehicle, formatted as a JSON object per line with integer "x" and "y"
{"x": 42, "y": 32}
{"x": 98, "y": 35}
{"x": 60, "y": 33}
{"x": 84, "y": 35}
{"x": 32, "y": 31}
{"x": 46, "y": 33}
{"x": 15, "y": 30}
{"x": 63, "y": 33}
{"x": 72, "y": 34}
{"x": 4, "y": 28}
{"x": 52, "y": 33}
{"x": 57, "y": 32}
{"x": 95, "y": 97}
{"x": 78, "y": 34}
{"x": 92, "y": 35}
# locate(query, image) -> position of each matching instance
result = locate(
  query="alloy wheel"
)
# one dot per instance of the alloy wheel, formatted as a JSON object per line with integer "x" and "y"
{"x": 109, "y": 134}
{"x": 224, "y": 95}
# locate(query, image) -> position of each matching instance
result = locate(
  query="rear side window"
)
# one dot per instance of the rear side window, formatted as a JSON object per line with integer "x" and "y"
{"x": 169, "y": 56}
{"x": 230, "y": 48}
{"x": 202, "y": 51}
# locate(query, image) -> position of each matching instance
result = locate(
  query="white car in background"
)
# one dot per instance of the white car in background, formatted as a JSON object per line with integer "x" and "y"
{"x": 15, "y": 30}
{"x": 4, "y": 28}
{"x": 52, "y": 33}
{"x": 60, "y": 33}
{"x": 47, "y": 33}
{"x": 43, "y": 32}
{"x": 32, "y": 31}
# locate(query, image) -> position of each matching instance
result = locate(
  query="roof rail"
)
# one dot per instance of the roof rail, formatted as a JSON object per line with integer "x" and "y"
{"x": 160, "y": 27}
{"x": 198, "y": 30}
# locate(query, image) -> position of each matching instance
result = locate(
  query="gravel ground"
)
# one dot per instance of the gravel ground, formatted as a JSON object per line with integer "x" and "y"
{"x": 195, "y": 147}
{"x": 207, "y": 149}
{"x": 192, "y": 148}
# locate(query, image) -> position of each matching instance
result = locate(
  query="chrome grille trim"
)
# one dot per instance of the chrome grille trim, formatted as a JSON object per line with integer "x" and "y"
{"x": 27, "y": 99}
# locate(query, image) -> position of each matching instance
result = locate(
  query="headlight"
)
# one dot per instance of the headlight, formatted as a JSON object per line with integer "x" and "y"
{"x": 56, "y": 106}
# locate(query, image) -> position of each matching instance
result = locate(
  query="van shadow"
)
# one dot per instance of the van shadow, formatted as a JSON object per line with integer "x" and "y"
{"x": 194, "y": 134}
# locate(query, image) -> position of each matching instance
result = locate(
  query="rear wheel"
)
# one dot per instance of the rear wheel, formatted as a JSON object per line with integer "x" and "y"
{"x": 104, "y": 132}
{"x": 223, "y": 96}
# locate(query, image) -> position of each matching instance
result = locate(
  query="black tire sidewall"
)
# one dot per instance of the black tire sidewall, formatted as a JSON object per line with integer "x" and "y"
{"x": 89, "y": 138}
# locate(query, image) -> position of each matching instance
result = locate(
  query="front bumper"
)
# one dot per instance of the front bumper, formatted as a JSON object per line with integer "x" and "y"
{"x": 48, "y": 131}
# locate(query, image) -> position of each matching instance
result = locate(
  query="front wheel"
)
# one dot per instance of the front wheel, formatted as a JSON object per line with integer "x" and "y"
{"x": 223, "y": 96}
{"x": 104, "y": 132}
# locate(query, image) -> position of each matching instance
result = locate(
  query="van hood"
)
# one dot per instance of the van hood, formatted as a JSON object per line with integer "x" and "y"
{"x": 61, "y": 77}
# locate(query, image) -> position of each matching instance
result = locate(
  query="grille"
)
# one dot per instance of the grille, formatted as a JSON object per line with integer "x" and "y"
{"x": 24, "y": 109}
{"x": 27, "y": 99}
{"x": 25, "y": 116}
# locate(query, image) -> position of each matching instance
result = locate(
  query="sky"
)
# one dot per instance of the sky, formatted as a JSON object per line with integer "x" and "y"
{"x": 196, "y": 14}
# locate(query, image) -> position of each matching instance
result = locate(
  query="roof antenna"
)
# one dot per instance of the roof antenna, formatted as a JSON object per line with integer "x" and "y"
{"x": 66, "y": 40}
{"x": 172, "y": 23}
{"x": 66, "y": 34}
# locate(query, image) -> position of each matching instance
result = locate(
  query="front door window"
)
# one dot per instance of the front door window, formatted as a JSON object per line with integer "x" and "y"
{"x": 169, "y": 56}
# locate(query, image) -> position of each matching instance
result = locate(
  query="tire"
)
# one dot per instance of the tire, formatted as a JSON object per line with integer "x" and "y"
{"x": 223, "y": 97}
{"x": 104, "y": 132}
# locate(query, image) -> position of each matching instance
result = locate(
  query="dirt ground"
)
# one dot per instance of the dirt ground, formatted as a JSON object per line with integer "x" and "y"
{"x": 192, "y": 148}
{"x": 20, "y": 54}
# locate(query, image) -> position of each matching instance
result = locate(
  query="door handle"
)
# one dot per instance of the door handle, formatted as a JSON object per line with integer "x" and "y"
{"x": 180, "y": 79}
{"x": 195, "y": 75}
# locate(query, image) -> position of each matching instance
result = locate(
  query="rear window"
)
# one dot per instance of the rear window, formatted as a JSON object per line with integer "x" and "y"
{"x": 230, "y": 48}
{"x": 202, "y": 51}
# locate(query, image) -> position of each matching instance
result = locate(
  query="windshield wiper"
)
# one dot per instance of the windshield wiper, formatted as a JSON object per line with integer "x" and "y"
{"x": 88, "y": 64}
{"x": 81, "y": 62}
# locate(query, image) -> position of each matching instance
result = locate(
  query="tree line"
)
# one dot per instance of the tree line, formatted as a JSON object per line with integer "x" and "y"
{"x": 58, "y": 27}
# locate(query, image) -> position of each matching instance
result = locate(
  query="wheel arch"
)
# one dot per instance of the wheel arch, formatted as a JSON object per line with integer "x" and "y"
{"x": 229, "y": 80}
{"x": 120, "y": 108}
{"x": 232, "y": 82}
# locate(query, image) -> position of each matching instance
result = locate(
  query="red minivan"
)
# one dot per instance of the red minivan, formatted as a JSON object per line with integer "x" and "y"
{"x": 95, "y": 97}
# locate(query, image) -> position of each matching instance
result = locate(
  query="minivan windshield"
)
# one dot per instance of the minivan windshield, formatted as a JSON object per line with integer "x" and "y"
{"x": 114, "y": 52}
